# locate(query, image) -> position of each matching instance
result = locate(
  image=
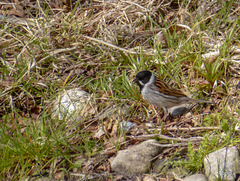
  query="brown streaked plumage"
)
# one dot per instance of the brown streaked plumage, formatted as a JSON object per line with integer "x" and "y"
{"x": 168, "y": 90}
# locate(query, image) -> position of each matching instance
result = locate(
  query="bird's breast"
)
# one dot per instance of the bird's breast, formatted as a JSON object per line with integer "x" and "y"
{"x": 149, "y": 95}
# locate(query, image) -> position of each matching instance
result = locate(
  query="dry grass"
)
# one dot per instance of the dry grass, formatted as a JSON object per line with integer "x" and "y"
{"x": 48, "y": 46}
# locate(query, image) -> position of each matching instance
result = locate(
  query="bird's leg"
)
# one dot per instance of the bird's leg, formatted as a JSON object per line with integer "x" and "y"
{"x": 156, "y": 113}
{"x": 166, "y": 114}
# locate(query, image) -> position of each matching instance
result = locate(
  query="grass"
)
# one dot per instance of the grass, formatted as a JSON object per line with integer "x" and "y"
{"x": 49, "y": 51}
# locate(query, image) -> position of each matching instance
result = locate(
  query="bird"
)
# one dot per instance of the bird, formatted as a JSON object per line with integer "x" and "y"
{"x": 162, "y": 95}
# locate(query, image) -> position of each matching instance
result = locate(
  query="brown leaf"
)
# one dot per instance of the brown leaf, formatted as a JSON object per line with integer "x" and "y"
{"x": 7, "y": 82}
{"x": 36, "y": 110}
{"x": 15, "y": 9}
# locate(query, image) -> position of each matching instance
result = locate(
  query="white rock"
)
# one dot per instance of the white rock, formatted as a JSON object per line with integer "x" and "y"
{"x": 149, "y": 178}
{"x": 127, "y": 125}
{"x": 222, "y": 164}
{"x": 73, "y": 103}
{"x": 196, "y": 177}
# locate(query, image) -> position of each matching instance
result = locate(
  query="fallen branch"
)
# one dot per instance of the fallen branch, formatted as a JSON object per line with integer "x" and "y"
{"x": 192, "y": 139}
{"x": 115, "y": 47}
{"x": 186, "y": 129}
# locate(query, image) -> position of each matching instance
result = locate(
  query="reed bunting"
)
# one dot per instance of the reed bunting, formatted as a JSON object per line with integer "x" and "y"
{"x": 160, "y": 94}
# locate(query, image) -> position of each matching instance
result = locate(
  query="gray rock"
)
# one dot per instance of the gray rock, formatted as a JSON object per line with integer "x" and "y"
{"x": 196, "y": 177}
{"x": 137, "y": 159}
{"x": 222, "y": 164}
{"x": 161, "y": 166}
{"x": 126, "y": 126}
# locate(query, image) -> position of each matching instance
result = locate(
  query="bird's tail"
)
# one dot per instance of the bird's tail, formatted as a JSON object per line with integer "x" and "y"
{"x": 203, "y": 101}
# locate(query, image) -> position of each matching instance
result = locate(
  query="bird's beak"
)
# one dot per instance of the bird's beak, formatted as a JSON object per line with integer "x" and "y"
{"x": 135, "y": 79}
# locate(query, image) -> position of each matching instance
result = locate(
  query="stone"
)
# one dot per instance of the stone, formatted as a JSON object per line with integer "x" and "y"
{"x": 196, "y": 177}
{"x": 137, "y": 159}
{"x": 126, "y": 125}
{"x": 222, "y": 164}
{"x": 149, "y": 178}
{"x": 73, "y": 103}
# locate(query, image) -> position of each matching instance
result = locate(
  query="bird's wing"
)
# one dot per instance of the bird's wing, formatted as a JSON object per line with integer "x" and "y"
{"x": 167, "y": 90}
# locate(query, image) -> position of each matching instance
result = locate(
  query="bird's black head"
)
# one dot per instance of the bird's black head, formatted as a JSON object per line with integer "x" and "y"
{"x": 143, "y": 78}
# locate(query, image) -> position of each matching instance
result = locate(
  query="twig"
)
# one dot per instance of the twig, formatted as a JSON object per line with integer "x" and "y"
{"x": 169, "y": 145}
{"x": 192, "y": 139}
{"x": 187, "y": 129}
{"x": 114, "y": 46}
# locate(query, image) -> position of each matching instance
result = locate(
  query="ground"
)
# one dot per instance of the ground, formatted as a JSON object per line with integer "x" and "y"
{"x": 47, "y": 47}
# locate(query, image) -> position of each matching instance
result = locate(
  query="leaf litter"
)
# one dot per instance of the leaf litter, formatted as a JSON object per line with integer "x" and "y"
{"x": 68, "y": 46}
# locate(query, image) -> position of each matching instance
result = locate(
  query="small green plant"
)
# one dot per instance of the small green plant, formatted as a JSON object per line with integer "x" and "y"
{"x": 212, "y": 71}
{"x": 129, "y": 88}
{"x": 194, "y": 161}
{"x": 100, "y": 50}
